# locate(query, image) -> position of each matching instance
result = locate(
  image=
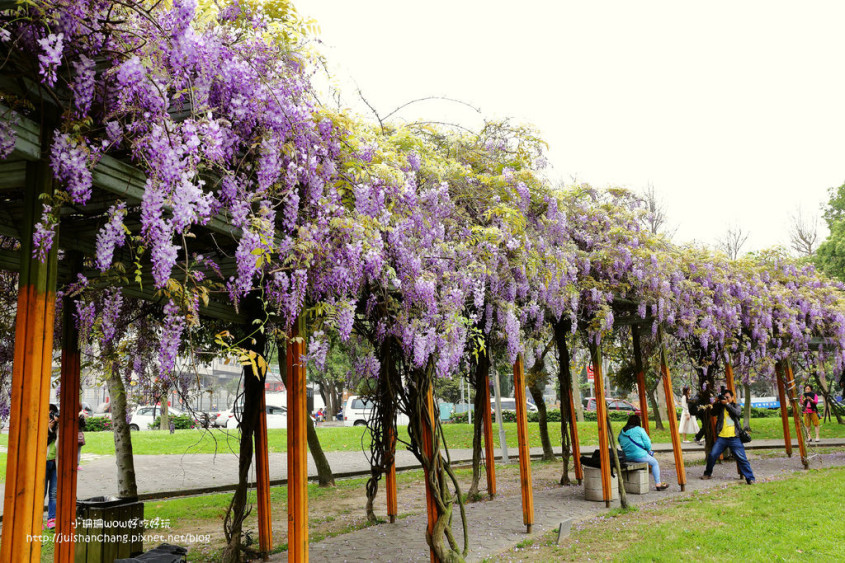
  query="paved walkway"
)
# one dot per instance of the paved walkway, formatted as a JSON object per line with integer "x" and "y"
{"x": 496, "y": 526}
{"x": 160, "y": 476}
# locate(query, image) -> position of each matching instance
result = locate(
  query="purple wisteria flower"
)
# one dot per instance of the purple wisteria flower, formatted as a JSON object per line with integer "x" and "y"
{"x": 69, "y": 160}
{"x": 45, "y": 232}
{"x": 50, "y": 57}
{"x": 83, "y": 85}
{"x": 111, "y": 236}
{"x": 171, "y": 337}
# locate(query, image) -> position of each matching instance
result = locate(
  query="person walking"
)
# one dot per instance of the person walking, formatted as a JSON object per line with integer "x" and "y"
{"x": 811, "y": 411}
{"x": 80, "y": 438}
{"x": 636, "y": 445}
{"x": 688, "y": 424}
{"x": 727, "y": 414}
{"x": 51, "y": 476}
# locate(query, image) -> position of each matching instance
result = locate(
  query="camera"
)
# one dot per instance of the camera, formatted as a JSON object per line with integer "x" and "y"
{"x": 721, "y": 397}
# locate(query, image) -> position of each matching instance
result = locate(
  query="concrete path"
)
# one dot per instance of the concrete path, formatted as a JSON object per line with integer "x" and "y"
{"x": 496, "y": 526}
{"x": 161, "y": 476}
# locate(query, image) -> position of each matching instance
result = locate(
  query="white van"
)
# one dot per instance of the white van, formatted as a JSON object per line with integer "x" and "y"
{"x": 357, "y": 410}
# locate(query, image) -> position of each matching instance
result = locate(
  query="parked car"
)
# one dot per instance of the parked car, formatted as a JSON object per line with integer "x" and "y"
{"x": 222, "y": 418}
{"x": 146, "y": 415}
{"x": 357, "y": 410}
{"x": 86, "y": 408}
{"x": 509, "y": 404}
{"x": 277, "y": 417}
{"x": 103, "y": 409}
{"x": 613, "y": 405}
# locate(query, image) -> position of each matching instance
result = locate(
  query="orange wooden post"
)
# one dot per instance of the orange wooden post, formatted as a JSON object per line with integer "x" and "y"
{"x": 796, "y": 415}
{"x": 28, "y": 417}
{"x": 64, "y": 550}
{"x": 524, "y": 451}
{"x": 297, "y": 446}
{"x": 680, "y": 470}
{"x": 573, "y": 437}
{"x": 601, "y": 414}
{"x": 427, "y": 430}
{"x": 262, "y": 480}
{"x": 729, "y": 379}
{"x": 489, "y": 453}
{"x": 390, "y": 479}
{"x": 784, "y": 414}
{"x": 638, "y": 366}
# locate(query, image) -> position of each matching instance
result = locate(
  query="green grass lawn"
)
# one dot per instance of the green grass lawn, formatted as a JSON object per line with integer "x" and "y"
{"x": 335, "y": 439}
{"x": 794, "y": 519}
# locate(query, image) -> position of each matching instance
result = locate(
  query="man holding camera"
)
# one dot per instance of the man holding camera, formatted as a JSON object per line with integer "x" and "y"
{"x": 728, "y": 415}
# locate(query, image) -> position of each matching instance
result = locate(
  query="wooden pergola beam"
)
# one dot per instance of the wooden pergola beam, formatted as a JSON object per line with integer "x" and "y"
{"x": 297, "y": 445}
{"x": 32, "y": 367}
{"x": 796, "y": 415}
{"x": 601, "y": 415}
{"x": 68, "y": 431}
{"x": 487, "y": 425}
{"x": 680, "y": 470}
{"x": 522, "y": 437}
{"x": 262, "y": 479}
{"x": 784, "y": 415}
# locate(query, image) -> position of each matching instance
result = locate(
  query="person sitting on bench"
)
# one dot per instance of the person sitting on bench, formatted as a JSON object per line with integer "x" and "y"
{"x": 637, "y": 447}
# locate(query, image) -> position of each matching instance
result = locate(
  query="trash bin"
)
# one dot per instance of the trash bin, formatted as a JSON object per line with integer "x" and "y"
{"x": 108, "y": 528}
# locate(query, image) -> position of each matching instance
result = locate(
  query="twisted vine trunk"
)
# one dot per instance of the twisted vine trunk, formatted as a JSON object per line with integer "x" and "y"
{"x": 482, "y": 371}
{"x": 424, "y": 424}
{"x": 234, "y": 551}
{"x": 623, "y": 494}
{"x": 382, "y": 422}
{"x": 126, "y": 485}
{"x": 564, "y": 378}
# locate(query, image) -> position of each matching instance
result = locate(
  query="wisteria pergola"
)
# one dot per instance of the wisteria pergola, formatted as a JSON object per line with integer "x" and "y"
{"x": 24, "y": 176}
{"x": 572, "y": 260}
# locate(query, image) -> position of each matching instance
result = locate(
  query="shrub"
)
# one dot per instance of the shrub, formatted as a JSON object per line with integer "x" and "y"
{"x": 507, "y": 416}
{"x": 621, "y": 416}
{"x": 98, "y": 424}
{"x": 181, "y": 422}
{"x": 552, "y": 415}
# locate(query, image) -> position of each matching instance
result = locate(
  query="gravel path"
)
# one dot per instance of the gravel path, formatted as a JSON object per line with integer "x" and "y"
{"x": 166, "y": 475}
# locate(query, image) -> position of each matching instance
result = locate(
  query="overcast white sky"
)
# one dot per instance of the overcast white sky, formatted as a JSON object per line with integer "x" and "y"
{"x": 732, "y": 110}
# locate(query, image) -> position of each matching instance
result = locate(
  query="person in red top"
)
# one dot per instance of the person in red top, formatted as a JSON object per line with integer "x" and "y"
{"x": 811, "y": 411}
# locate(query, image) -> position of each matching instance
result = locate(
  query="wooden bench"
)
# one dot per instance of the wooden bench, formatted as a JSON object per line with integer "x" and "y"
{"x": 634, "y": 475}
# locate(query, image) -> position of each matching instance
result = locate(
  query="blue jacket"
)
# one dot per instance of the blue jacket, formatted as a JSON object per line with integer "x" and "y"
{"x": 629, "y": 439}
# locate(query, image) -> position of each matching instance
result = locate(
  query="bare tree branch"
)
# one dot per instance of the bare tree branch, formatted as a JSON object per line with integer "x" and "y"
{"x": 733, "y": 241}
{"x": 803, "y": 233}
{"x": 657, "y": 220}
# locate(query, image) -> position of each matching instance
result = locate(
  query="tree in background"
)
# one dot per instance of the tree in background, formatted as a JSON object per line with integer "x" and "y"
{"x": 657, "y": 218}
{"x": 732, "y": 241}
{"x": 332, "y": 376}
{"x": 830, "y": 255}
{"x": 803, "y": 233}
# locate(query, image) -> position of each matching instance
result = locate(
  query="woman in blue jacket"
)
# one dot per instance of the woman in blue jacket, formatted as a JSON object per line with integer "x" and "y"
{"x": 637, "y": 447}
